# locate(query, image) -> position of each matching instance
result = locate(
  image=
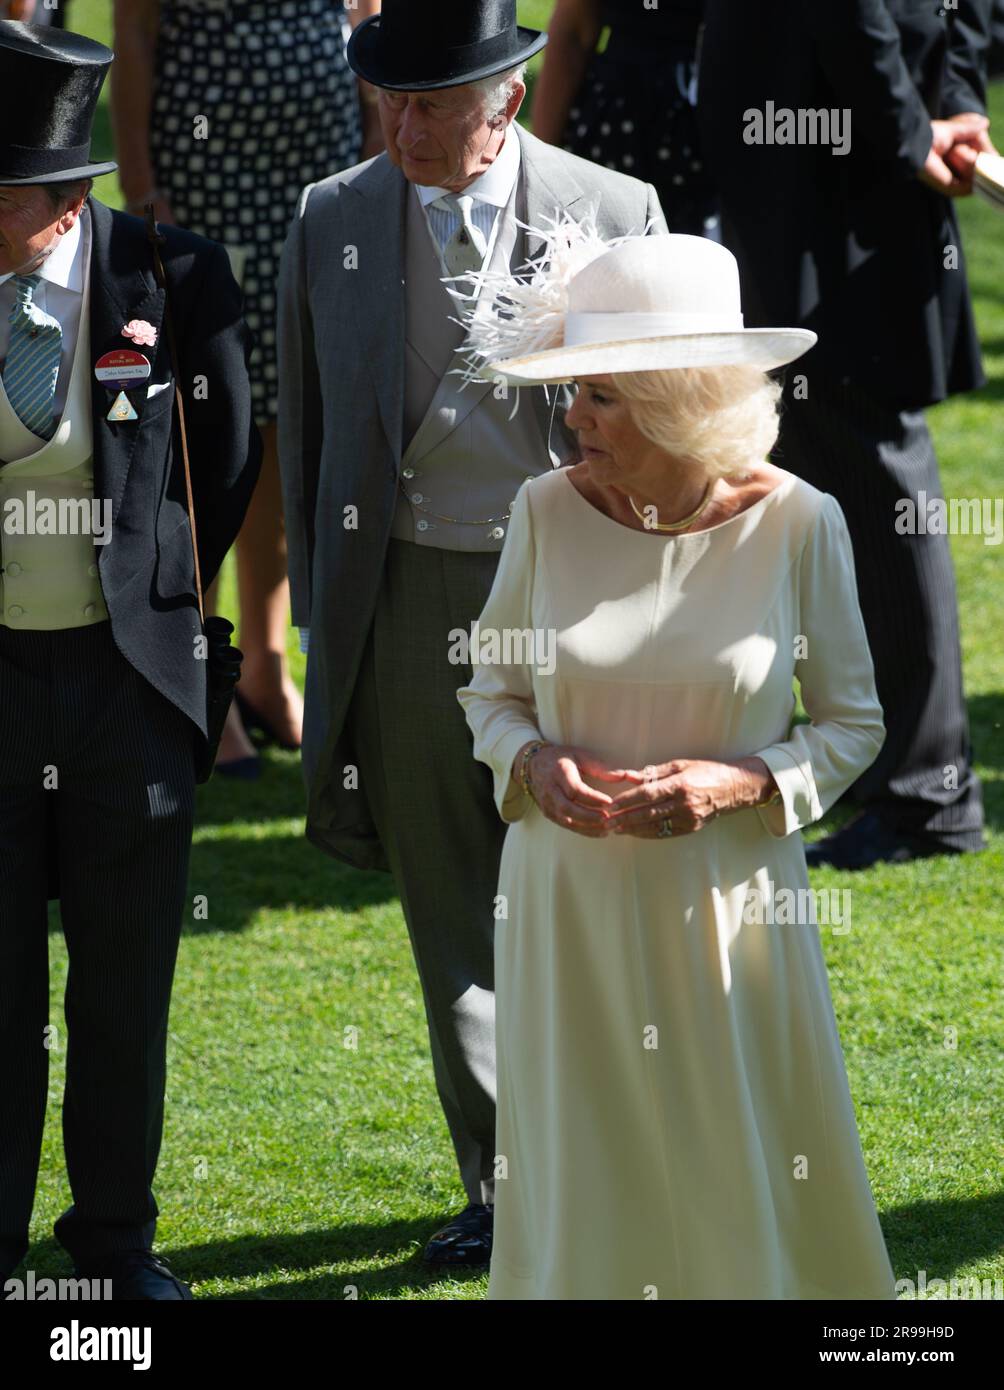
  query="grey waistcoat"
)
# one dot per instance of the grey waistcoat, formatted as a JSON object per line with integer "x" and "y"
{"x": 464, "y": 457}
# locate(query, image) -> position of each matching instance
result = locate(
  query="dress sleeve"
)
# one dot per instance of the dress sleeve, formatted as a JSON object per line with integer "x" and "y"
{"x": 820, "y": 760}
{"x": 499, "y": 702}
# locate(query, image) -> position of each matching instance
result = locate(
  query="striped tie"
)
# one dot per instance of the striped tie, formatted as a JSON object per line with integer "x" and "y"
{"x": 466, "y": 248}
{"x": 36, "y": 345}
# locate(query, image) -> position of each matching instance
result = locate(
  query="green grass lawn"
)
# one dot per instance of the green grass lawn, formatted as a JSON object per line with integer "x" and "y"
{"x": 296, "y": 1166}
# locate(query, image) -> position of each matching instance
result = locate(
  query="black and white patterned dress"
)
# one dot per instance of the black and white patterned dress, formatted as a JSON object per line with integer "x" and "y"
{"x": 281, "y": 110}
{"x": 635, "y": 110}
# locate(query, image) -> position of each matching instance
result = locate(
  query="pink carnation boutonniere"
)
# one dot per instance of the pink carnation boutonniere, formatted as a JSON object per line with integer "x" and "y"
{"x": 142, "y": 333}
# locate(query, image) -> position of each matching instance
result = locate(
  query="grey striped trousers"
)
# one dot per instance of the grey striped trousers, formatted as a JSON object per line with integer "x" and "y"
{"x": 433, "y": 808}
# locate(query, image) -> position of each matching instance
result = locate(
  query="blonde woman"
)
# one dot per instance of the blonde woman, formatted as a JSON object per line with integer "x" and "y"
{"x": 674, "y": 1118}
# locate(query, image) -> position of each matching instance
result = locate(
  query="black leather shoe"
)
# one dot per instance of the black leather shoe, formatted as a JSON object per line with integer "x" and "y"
{"x": 466, "y": 1240}
{"x": 866, "y": 840}
{"x": 138, "y": 1276}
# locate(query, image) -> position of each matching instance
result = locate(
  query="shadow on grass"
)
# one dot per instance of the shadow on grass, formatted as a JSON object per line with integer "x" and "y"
{"x": 278, "y": 794}
{"x": 257, "y": 1256}
{"x": 940, "y": 1238}
{"x": 241, "y": 878}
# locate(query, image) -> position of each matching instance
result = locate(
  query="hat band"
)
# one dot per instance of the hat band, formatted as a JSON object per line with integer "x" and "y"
{"x": 21, "y": 161}
{"x": 582, "y": 329}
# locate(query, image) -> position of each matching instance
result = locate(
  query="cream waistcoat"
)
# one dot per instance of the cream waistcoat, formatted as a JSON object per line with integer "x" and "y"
{"x": 51, "y": 581}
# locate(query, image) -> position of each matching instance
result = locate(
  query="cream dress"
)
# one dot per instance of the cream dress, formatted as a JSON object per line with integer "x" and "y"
{"x": 674, "y": 1119}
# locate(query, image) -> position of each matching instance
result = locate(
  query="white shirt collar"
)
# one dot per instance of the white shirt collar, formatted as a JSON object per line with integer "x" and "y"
{"x": 64, "y": 265}
{"x": 493, "y": 186}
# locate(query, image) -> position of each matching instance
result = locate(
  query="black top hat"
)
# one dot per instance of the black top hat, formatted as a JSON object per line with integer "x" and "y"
{"x": 51, "y": 80}
{"x": 412, "y": 47}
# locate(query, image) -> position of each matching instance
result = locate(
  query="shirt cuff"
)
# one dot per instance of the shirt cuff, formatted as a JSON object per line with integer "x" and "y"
{"x": 510, "y": 798}
{"x": 799, "y": 805}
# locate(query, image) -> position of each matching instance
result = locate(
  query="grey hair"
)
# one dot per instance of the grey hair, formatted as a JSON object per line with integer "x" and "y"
{"x": 60, "y": 194}
{"x": 496, "y": 90}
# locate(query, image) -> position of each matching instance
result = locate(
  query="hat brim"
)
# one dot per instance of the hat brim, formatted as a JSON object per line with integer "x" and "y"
{"x": 765, "y": 348}
{"x": 84, "y": 171}
{"x": 364, "y": 59}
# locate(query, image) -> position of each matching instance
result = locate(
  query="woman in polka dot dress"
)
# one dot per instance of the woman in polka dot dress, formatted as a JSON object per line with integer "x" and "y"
{"x": 223, "y": 110}
{"x": 631, "y": 107}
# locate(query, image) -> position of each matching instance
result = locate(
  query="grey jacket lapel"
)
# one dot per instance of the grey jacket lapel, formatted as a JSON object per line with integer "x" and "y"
{"x": 379, "y": 222}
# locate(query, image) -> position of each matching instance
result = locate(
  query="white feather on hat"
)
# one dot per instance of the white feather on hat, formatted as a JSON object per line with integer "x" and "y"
{"x": 513, "y": 315}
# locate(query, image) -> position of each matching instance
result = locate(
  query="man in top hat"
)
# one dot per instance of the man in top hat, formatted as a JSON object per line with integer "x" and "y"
{"x": 102, "y": 691}
{"x": 397, "y": 487}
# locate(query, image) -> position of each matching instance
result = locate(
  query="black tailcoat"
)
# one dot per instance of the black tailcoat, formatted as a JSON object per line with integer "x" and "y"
{"x": 146, "y": 570}
{"x": 852, "y": 246}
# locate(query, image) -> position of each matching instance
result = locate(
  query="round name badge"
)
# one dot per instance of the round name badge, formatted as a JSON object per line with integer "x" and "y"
{"x": 122, "y": 369}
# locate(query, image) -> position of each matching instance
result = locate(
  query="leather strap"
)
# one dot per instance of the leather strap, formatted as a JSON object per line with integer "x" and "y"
{"x": 156, "y": 239}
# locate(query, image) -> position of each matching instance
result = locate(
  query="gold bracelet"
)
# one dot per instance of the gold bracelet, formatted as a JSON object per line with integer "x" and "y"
{"x": 523, "y": 775}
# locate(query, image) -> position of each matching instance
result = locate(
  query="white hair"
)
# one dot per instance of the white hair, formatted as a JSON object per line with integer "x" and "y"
{"x": 496, "y": 91}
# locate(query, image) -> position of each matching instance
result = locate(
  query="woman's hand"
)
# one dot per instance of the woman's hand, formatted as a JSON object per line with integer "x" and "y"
{"x": 689, "y": 793}
{"x": 555, "y": 776}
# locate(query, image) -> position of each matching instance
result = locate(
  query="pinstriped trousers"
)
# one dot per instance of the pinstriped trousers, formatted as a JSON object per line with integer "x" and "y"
{"x": 117, "y": 826}
{"x": 869, "y": 456}
{"x": 433, "y": 807}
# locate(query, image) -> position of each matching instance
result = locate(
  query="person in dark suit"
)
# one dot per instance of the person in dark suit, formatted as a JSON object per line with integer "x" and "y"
{"x": 839, "y": 133}
{"x": 102, "y": 689}
{"x": 995, "y": 61}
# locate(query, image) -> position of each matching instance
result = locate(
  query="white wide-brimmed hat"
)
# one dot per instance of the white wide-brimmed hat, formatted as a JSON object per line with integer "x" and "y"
{"x": 640, "y": 303}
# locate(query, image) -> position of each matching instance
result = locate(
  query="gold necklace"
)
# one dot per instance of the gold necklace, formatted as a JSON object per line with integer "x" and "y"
{"x": 675, "y": 525}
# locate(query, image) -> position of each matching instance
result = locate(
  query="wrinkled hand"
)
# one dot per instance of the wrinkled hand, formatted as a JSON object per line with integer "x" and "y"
{"x": 955, "y": 143}
{"x": 689, "y": 792}
{"x": 555, "y": 776}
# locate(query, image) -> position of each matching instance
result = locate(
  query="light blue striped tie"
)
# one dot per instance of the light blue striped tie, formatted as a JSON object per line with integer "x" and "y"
{"x": 29, "y": 374}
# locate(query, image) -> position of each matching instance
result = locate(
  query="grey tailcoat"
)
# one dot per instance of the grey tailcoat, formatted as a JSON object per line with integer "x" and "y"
{"x": 341, "y": 355}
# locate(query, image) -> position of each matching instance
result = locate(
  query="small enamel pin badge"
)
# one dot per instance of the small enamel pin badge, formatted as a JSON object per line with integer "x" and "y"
{"x": 142, "y": 333}
{"x": 122, "y": 408}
